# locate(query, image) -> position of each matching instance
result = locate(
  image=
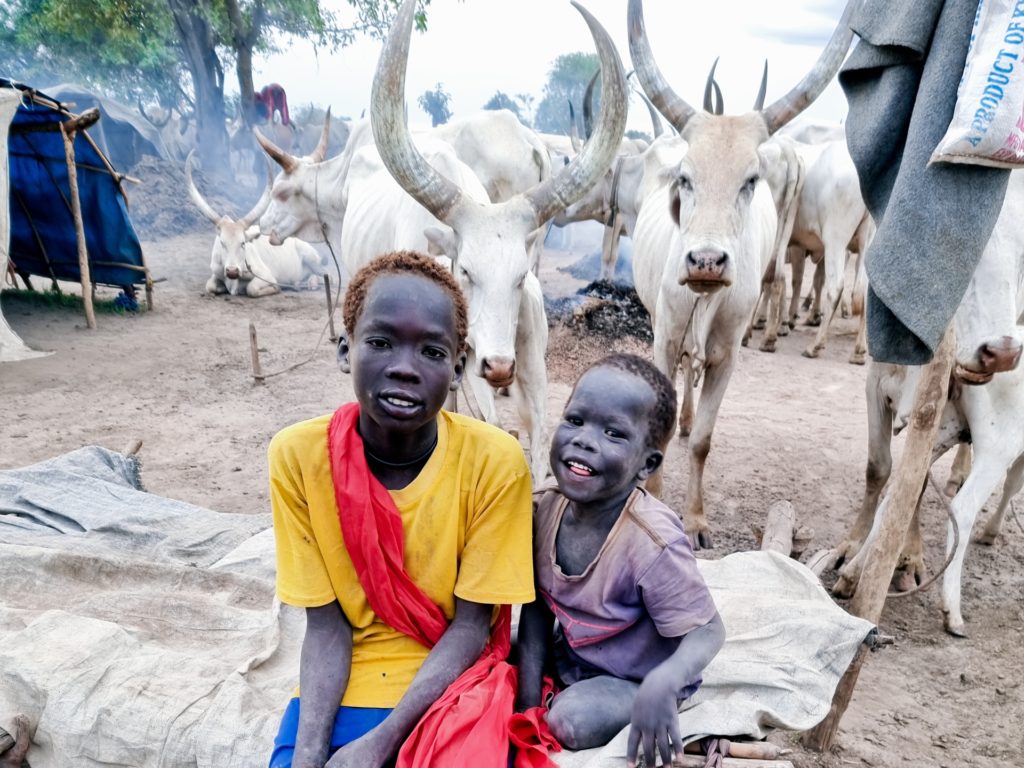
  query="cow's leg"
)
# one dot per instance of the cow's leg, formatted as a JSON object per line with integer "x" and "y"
{"x": 752, "y": 324}
{"x": 610, "y": 248}
{"x": 215, "y": 285}
{"x": 879, "y": 467}
{"x": 529, "y": 391}
{"x": 812, "y": 302}
{"x": 960, "y": 470}
{"x": 774, "y": 295}
{"x": 989, "y": 468}
{"x": 263, "y": 282}
{"x": 1014, "y": 482}
{"x": 797, "y": 258}
{"x": 910, "y": 570}
{"x": 761, "y": 313}
{"x": 666, "y": 359}
{"x": 783, "y": 306}
{"x": 716, "y": 381}
{"x": 835, "y": 261}
{"x": 860, "y": 346}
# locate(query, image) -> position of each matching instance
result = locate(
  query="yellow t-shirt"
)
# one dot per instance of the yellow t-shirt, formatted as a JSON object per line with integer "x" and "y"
{"x": 467, "y": 520}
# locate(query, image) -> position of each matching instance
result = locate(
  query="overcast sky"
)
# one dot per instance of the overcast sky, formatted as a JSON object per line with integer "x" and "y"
{"x": 476, "y": 47}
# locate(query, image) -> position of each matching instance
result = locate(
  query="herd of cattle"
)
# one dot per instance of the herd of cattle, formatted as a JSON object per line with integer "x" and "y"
{"x": 715, "y": 210}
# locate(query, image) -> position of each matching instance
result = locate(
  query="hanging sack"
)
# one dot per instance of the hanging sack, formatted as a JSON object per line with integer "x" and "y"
{"x": 988, "y": 122}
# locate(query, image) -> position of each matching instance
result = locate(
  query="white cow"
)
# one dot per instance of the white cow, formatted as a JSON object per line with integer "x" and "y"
{"x": 244, "y": 262}
{"x": 987, "y": 409}
{"x": 704, "y": 237}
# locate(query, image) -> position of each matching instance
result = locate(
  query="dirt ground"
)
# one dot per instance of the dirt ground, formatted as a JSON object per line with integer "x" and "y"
{"x": 179, "y": 379}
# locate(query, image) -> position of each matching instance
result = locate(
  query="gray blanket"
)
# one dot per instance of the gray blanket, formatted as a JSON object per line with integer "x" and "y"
{"x": 140, "y": 631}
{"x": 933, "y": 221}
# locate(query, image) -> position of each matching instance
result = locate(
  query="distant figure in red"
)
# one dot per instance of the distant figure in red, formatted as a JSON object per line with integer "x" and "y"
{"x": 270, "y": 99}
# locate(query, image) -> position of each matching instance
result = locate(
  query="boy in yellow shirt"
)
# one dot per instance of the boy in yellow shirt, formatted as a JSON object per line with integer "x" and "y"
{"x": 453, "y": 525}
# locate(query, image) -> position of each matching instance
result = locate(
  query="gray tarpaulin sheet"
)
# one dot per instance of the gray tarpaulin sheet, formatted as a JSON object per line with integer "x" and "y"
{"x": 933, "y": 221}
{"x": 137, "y": 630}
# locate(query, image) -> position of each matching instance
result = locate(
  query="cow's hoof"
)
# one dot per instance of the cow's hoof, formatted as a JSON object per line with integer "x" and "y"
{"x": 954, "y": 625}
{"x": 986, "y": 538}
{"x": 811, "y": 352}
{"x": 760, "y": 323}
{"x": 952, "y": 488}
{"x": 844, "y": 587}
{"x": 813, "y": 320}
{"x": 701, "y": 539}
{"x": 784, "y": 329}
{"x": 767, "y": 345}
{"x": 745, "y": 340}
{"x": 907, "y": 578}
{"x": 857, "y": 358}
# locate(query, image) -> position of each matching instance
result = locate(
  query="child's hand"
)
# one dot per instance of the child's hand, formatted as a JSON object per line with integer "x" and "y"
{"x": 364, "y": 752}
{"x": 655, "y": 722}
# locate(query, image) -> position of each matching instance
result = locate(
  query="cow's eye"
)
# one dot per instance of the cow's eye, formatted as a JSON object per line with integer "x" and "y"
{"x": 685, "y": 184}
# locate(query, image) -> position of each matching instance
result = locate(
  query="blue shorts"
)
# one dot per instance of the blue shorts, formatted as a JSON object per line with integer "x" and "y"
{"x": 349, "y": 724}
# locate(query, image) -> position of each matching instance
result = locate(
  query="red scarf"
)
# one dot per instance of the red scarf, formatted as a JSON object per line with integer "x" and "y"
{"x": 469, "y": 724}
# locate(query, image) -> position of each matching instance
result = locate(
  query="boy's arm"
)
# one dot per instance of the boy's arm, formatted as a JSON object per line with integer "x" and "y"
{"x": 535, "y": 624}
{"x": 323, "y": 676}
{"x": 655, "y": 720}
{"x": 459, "y": 646}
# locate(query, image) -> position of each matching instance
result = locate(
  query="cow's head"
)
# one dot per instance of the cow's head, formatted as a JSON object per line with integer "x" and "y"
{"x": 298, "y": 192}
{"x": 233, "y": 235}
{"x": 988, "y": 340}
{"x": 489, "y": 244}
{"x": 713, "y": 187}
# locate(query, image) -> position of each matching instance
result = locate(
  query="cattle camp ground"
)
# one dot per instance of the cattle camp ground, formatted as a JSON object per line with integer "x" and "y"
{"x": 197, "y": 382}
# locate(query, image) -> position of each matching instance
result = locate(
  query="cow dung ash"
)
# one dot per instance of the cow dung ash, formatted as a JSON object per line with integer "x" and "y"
{"x": 589, "y": 267}
{"x": 160, "y": 206}
{"x": 607, "y": 309}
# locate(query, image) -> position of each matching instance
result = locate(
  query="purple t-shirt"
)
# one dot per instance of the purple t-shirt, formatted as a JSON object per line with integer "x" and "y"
{"x": 626, "y": 613}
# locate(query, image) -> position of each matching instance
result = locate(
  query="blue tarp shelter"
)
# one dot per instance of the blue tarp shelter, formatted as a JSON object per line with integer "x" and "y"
{"x": 43, "y": 234}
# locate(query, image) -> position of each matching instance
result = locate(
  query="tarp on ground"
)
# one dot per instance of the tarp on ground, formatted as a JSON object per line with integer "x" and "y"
{"x": 43, "y": 240}
{"x": 140, "y": 631}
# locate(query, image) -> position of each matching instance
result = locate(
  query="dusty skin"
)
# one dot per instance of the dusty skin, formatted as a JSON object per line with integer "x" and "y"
{"x": 179, "y": 379}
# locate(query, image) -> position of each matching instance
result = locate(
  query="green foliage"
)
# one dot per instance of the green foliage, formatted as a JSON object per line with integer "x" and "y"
{"x": 436, "y": 104}
{"x": 566, "y": 82}
{"x": 54, "y": 300}
{"x": 501, "y": 100}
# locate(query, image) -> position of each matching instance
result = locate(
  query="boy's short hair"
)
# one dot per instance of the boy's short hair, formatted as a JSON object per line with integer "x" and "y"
{"x": 662, "y": 418}
{"x": 398, "y": 263}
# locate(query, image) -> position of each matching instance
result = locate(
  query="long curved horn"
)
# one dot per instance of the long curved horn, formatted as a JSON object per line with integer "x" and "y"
{"x": 825, "y": 68}
{"x": 574, "y": 134}
{"x": 412, "y": 172}
{"x": 193, "y": 193}
{"x": 719, "y": 101}
{"x": 262, "y": 204}
{"x": 656, "y": 124}
{"x": 155, "y": 123}
{"x": 588, "y": 106}
{"x": 759, "y": 101}
{"x": 319, "y": 154}
{"x": 573, "y": 181}
{"x": 708, "y": 105}
{"x": 668, "y": 102}
{"x": 287, "y": 162}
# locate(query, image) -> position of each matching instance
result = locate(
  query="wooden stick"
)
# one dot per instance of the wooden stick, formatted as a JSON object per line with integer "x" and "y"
{"x": 778, "y": 528}
{"x": 748, "y": 750}
{"x": 904, "y": 490}
{"x": 257, "y": 371}
{"x": 822, "y": 561}
{"x": 699, "y": 761}
{"x": 76, "y": 214}
{"x": 73, "y": 125}
{"x": 330, "y": 309}
{"x": 133, "y": 447}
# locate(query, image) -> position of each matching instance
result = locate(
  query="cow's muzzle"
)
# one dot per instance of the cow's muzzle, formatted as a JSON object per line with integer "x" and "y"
{"x": 498, "y": 371}
{"x": 992, "y": 357}
{"x": 232, "y": 273}
{"x": 706, "y": 271}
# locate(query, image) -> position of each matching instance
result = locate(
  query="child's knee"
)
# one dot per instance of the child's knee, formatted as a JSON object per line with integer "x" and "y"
{"x": 565, "y": 727}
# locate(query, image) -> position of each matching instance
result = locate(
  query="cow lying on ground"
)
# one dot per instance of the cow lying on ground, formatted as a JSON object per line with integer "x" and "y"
{"x": 245, "y": 262}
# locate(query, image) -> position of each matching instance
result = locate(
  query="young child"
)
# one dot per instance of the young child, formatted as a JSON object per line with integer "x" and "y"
{"x": 399, "y": 585}
{"x": 635, "y": 622}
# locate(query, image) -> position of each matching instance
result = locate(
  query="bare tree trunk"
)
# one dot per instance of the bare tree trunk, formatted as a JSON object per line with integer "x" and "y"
{"x": 244, "y": 40}
{"x": 199, "y": 42}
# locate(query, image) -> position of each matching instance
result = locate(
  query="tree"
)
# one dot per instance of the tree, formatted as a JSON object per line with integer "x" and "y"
{"x": 566, "y": 82}
{"x": 172, "y": 49}
{"x": 435, "y": 103}
{"x": 501, "y": 100}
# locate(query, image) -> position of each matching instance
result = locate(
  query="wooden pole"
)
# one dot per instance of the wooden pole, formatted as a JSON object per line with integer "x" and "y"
{"x": 330, "y": 308}
{"x": 904, "y": 491}
{"x": 778, "y": 528}
{"x": 76, "y": 214}
{"x": 257, "y": 370}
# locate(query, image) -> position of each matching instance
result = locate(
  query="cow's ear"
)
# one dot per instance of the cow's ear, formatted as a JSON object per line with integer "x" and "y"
{"x": 440, "y": 241}
{"x": 342, "y": 353}
{"x": 251, "y": 234}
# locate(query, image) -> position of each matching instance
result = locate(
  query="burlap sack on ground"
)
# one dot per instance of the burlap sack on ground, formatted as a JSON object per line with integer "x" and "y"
{"x": 141, "y": 631}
